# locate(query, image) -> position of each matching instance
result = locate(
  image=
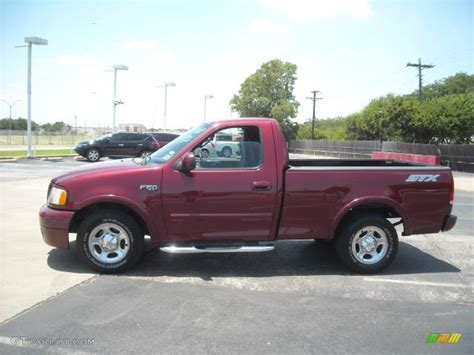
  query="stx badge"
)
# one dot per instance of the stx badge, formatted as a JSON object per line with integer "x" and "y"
{"x": 422, "y": 178}
{"x": 148, "y": 187}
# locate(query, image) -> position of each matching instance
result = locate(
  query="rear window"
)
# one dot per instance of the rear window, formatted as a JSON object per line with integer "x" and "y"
{"x": 165, "y": 137}
{"x": 224, "y": 138}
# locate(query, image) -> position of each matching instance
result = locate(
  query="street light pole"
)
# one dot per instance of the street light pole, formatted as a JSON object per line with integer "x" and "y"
{"x": 30, "y": 41}
{"x": 205, "y": 104}
{"x": 165, "y": 86}
{"x": 114, "y": 101}
{"x": 10, "y": 105}
{"x": 28, "y": 127}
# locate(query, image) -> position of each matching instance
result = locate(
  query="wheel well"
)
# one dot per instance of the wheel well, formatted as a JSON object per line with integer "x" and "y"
{"x": 80, "y": 215}
{"x": 382, "y": 210}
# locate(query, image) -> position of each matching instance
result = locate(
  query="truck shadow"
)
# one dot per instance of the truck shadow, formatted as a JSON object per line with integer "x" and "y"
{"x": 287, "y": 259}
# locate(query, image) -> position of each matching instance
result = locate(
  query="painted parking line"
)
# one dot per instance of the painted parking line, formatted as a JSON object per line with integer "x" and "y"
{"x": 418, "y": 283}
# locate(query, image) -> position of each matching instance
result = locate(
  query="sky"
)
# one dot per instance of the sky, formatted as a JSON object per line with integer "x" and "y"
{"x": 350, "y": 50}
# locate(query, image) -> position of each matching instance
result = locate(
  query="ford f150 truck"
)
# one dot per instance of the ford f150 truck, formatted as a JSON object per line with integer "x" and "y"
{"x": 246, "y": 203}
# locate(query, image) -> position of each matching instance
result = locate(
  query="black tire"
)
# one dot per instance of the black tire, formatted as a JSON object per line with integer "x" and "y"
{"x": 227, "y": 152}
{"x": 121, "y": 221}
{"x": 93, "y": 155}
{"x": 349, "y": 240}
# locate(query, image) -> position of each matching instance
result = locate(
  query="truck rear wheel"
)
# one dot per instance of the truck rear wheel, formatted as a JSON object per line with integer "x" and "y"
{"x": 110, "y": 241}
{"x": 367, "y": 244}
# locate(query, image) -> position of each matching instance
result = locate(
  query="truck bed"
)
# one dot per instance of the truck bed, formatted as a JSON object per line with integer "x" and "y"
{"x": 337, "y": 164}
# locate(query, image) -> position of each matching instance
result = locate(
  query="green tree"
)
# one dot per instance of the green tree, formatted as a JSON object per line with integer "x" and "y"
{"x": 17, "y": 124}
{"x": 460, "y": 83}
{"x": 58, "y": 126}
{"x": 269, "y": 93}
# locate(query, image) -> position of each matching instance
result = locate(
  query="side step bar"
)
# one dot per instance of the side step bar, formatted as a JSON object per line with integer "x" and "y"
{"x": 231, "y": 249}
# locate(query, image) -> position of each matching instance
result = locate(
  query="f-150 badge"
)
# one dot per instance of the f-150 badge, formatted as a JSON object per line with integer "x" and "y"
{"x": 423, "y": 178}
{"x": 149, "y": 187}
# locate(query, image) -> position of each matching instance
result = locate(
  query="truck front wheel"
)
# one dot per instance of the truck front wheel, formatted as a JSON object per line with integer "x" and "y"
{"x": 110, "y": 241}
{"x": 367, "y": 243}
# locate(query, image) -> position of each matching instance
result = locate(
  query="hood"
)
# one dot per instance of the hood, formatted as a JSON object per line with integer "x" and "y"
{"x": 91, "y": 170}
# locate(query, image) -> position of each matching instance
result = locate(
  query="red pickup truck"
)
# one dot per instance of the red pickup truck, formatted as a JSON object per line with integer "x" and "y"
{"x": 246, "y": 202}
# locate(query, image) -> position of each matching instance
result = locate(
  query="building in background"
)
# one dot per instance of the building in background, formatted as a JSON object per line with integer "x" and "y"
{"x": 131, "y": 127}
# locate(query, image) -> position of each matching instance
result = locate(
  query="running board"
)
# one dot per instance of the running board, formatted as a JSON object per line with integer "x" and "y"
{"x": 238, "y": 249}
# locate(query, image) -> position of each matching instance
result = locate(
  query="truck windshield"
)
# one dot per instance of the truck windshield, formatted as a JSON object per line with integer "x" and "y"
{"x": 164, "y": 154}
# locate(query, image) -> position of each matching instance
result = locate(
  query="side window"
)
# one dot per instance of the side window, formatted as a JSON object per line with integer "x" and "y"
{"x": 117, "y": 137}
{"x": 230, "y": 148}
{"x": 141, "y": 137}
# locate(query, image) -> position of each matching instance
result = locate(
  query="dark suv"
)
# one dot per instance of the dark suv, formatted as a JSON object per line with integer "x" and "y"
{"x": 118, "y": 145}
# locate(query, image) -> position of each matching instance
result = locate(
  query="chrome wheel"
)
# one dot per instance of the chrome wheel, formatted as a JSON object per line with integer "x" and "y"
{"x": 369, "y": 245}
{"x": 93, "y": 155}
{"x": 109, "y": 243}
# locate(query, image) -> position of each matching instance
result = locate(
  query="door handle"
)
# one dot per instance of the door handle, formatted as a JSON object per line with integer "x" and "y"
{"x": 121, "y": 145}
{"x": 262, "y": 185}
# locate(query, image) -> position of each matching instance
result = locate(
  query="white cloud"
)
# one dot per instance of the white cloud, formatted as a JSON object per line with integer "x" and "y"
{"x": 263, "y": 25}
{"x": 313, "y": 9}
{"x": 139, "y": 44}
{"x": 76, "y": 59}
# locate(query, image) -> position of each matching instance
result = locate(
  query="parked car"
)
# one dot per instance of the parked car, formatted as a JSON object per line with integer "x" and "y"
{"x": 118, "y": 145}
{"x": 221, "y": 144}
{"x": 164, "y": 138}
{"x": 187, "y": 204}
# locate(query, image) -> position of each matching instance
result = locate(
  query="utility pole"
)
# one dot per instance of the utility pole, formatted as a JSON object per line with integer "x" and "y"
{"x": 314, "y": 98}
{"x": 420, "y": 67}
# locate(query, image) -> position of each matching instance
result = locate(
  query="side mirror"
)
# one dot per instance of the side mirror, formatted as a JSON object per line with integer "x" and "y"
{"x": 187, "y": 163}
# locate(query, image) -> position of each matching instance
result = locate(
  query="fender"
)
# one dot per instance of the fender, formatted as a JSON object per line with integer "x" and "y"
{"x": 125, "y": 202}
{"x": 367, "y": 201}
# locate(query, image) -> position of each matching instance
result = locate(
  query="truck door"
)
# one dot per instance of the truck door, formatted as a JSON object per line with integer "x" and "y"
{"x": 225, "y": 198}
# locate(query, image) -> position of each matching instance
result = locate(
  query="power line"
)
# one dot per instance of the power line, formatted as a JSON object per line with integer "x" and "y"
{"x": 314, "y": 98}
{"x": 420, "y": 67}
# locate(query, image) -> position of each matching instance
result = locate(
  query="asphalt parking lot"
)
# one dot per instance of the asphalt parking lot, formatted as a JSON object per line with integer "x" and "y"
{"x": 295, "y": 299}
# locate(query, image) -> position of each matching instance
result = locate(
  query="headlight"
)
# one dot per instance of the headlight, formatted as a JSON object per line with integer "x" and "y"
{"x": 57, "y": 196}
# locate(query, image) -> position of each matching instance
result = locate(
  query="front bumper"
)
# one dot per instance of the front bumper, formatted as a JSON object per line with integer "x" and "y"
{"x": 81, "y": 151}
{"x": 449, "y": 223}
{"x": 55, "y": 226}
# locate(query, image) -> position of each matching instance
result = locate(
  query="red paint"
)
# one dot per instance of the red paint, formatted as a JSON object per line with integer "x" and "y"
{"x": 268, "y": 203}
{"x": 416, "y": 158}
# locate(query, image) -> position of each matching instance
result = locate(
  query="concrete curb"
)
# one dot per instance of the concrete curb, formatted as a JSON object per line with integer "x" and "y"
{"x": 8, "y": 160}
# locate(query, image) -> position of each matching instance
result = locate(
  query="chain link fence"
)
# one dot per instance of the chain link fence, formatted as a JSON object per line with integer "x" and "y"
{"x": 19, "y": 138}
